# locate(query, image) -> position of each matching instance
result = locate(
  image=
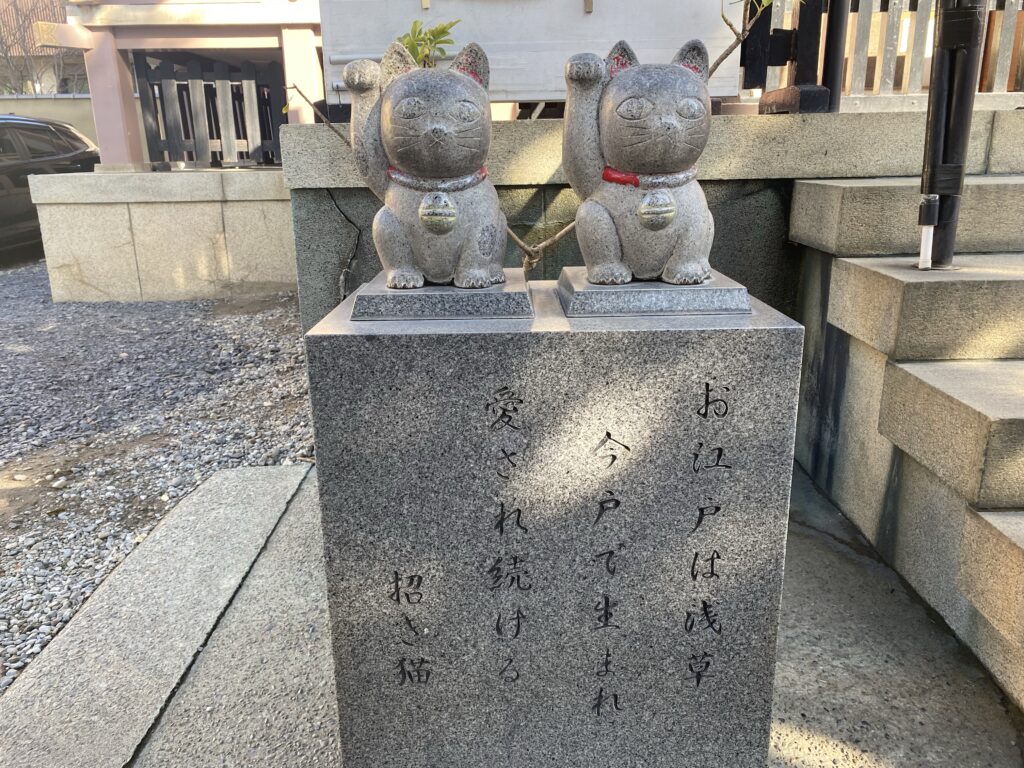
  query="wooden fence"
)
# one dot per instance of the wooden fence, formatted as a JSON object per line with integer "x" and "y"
{"x": 888, "y": 47}
{"x": 202, "y": 114}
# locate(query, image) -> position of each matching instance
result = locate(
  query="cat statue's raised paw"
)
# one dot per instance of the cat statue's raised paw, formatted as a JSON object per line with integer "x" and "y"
{"x": 420, "y": 138}
{"x": 633, "y": 134}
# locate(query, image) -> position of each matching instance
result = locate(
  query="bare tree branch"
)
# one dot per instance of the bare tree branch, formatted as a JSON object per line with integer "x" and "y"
{"x": 24, "y": 67}
{"x": 728, "y": 23}
{"x": 738, "y": 35}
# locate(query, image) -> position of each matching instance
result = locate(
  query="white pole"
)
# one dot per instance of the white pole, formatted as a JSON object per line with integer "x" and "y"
{"x": 925, "y": 261}
{"x": 928, "y": 217}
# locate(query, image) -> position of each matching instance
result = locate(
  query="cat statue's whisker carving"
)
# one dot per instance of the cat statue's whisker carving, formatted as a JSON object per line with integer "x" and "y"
{"x": 633, "y": 134}
{"x": 420, "y": 138}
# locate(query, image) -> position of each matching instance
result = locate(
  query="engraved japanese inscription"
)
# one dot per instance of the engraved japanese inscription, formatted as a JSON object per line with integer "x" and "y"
{"x": 552, "y": 549}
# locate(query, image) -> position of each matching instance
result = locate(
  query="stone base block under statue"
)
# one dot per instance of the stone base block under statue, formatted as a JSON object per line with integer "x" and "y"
{"x": 375, "y": 301}
{"x": 555, "y": 541}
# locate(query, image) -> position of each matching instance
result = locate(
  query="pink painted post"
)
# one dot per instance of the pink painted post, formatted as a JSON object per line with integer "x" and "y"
{"x": 301, "y": 68}
{"x": 118, "y": 131}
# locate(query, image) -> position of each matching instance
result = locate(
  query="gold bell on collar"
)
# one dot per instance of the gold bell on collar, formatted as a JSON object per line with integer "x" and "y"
{"x": 438, "y": 213}
{"x": 657, "y": 209}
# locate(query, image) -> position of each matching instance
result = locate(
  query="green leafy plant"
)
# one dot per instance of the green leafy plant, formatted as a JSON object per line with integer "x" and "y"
{"x": 427, "y": 45}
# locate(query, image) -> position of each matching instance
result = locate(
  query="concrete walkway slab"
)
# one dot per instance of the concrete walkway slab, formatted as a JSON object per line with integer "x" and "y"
{"x": 92, "y": 696}
{"x": 868, "y": 676}
{"x": 262, "y": 691}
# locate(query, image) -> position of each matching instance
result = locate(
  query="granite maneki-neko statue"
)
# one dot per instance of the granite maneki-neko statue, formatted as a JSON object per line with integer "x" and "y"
{"x": 421, "y": 138}
{"x": 633, "y": 134}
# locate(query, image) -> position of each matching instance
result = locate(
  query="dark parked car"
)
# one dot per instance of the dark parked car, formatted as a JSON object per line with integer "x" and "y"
{"x": 27, "y": 146}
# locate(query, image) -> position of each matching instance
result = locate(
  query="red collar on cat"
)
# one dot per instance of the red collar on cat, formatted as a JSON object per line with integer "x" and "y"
{"x": 423, "y": 184}
{"x": 652, "y": 181}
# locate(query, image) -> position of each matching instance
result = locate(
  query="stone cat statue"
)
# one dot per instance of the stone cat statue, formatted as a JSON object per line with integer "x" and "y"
{"x": 420, "y": 138}
{"x": 632, "y": 136}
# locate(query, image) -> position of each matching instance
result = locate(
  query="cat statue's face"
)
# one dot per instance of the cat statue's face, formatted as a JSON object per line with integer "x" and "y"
{"x": 437, "y": 123}
{"x": 654, "y": 118}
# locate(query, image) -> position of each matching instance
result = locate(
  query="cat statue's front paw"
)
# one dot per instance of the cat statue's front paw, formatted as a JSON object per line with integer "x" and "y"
{"x": 610, "y": 274}
{"x": 474, "y": 278}
{"x": 497, "y": 275}
{"x": 687, "y": 274}
{"x": 405, "y": 277}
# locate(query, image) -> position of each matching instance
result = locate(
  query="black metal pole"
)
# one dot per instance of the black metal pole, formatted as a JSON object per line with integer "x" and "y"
{"x": 835, "y": 51}
{"x": 956, "y": 65}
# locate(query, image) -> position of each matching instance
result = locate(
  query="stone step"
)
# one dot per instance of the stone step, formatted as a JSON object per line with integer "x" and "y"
{"x": 964, "y": 421}
{"x": 975, "y": 312}
{"x": 96, "y": 691}
{"x": 871, "y": 217}
{"x": 966, "y": 563}
{"x": 997, "y": 593}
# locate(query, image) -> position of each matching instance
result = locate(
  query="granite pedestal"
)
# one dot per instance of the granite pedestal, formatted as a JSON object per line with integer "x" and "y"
{"x": 555, "y": 541}
{"x": 718, "y": 295}
{"x": 375, "y": 301}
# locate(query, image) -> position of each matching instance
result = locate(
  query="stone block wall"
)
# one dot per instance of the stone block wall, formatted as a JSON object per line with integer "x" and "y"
{"x": 747, "y": 172}
{"x": 166, "y": 236}
{"x": 209, "y": 234}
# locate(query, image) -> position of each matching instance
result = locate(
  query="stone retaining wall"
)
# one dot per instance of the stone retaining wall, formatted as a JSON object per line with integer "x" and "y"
{"x": 217, "y": 233}
{"x": 747, "y": 172}
{"x": 166, "y": 236}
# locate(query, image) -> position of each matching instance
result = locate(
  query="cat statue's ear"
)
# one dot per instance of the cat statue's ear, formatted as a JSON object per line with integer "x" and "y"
{"x": 397, "y": 61}
{"x": 472, "y": 62}
{"x": 694, "y": 57}
{"x": 620, "y": 57}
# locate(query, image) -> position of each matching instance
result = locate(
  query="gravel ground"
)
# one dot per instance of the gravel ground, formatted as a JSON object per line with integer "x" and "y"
{"x": 109, "y": 413}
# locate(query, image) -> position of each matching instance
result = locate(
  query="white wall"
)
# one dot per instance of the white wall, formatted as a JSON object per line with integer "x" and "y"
{"x": 528, "y": 41}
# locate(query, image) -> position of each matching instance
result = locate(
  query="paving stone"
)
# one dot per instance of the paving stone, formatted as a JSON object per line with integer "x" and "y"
{"x": 90, "y": 699}
{"x": 261, "y": 694}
